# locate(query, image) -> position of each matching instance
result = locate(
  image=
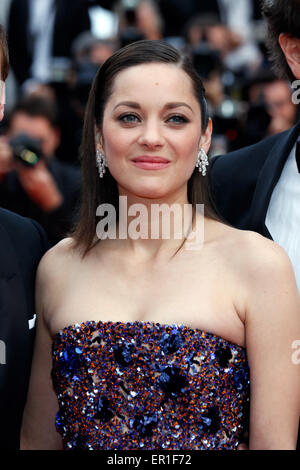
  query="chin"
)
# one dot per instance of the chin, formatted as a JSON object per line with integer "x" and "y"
{"x": 144, "y": 191}
{"x": 150, "y": 193}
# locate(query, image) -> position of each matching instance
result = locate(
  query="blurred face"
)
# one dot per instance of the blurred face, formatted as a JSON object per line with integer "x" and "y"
{"x": 279, "y": 101}
{"x": 151, "y": 131}
{"x": 38, "y": 128}
{"x": 100, "y": 53}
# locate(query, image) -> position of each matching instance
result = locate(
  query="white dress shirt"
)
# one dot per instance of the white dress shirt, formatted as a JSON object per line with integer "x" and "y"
{"x": 283, "y": 216}
{"x": 42, "y": 15}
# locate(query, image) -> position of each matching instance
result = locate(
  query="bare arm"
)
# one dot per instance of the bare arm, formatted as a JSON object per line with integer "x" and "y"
{"x": 38, "y": 427}
{"x": 272, "y": 326}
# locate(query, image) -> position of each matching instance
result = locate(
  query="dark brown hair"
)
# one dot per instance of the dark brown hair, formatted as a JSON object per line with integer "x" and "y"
{"x": 36, "y": 106}
{"x": 281, "y": 16}
{"x": 96, "y": 191}
{"x": 4, "y": 64}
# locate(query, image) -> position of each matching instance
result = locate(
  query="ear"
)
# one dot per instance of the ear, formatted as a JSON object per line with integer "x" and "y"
{"x": 98, "y": 139}
{"x": 291, "y": 48}
{"x": 205, "y": 140}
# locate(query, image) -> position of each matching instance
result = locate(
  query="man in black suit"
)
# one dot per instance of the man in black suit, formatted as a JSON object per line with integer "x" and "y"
{"x": 22, "y": 244}
{"x": 39, "y": 31}
{"x": 258, "y": 187}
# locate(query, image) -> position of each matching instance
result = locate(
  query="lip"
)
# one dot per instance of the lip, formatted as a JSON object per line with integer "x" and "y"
{"x": 148, "y": 159}
{"x": 151, "y": 163}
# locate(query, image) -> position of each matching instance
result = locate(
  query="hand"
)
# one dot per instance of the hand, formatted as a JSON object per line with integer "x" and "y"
{"x": 40, "y": 185}
{"x": 6, "y": 157}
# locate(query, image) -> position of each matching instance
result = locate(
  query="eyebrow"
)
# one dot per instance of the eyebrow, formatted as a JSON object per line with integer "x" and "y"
{"x": 135, "y": 105}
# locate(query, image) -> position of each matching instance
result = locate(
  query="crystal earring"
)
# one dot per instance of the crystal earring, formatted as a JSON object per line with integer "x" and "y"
{"x": 100, "y": 162}
{"x": 202, "y": 162}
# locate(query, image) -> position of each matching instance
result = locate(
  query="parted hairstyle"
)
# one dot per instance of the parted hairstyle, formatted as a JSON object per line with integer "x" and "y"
{"x": 4, "y": 57}
{"x": 281, "y": 16}
{"x": 96, "y": 191}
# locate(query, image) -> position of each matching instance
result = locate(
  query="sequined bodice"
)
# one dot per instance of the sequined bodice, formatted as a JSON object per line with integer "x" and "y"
{"x": 146, "y": 385}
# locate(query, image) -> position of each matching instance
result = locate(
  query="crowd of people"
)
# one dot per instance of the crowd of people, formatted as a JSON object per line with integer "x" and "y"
{"x": 54, "y": 57}
{"x": 101, "y": 313}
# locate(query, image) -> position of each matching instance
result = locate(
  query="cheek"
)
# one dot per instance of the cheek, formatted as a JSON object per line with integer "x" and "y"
{"x": 118, "y": 143}
{"x": 186, "y": 148}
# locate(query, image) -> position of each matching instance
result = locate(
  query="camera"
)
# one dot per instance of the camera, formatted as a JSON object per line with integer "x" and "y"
{"x": 26, "y": 150}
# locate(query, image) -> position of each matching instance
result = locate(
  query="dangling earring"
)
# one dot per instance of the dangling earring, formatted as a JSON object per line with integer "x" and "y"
{"x": 100, "y": 162}
{"x": 202, "y": 162}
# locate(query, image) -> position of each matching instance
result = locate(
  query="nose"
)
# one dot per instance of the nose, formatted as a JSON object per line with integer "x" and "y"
{"x": 151, "y": 135}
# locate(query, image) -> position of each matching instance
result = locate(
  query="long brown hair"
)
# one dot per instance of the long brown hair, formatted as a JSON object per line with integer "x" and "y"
{"x": 96, "y": 191}
{"x": 4, "y": 55}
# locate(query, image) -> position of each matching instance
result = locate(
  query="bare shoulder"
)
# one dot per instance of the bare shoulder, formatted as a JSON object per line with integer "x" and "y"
{"x": 250, "y": 257}
{"x": 57, "y": 259}
{"x": 54, "y": 271}
{"x": 260, "y": 261}
{"x": 262, "y": 256}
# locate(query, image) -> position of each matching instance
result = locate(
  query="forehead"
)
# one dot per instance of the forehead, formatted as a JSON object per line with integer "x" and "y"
{"x": 33, "y": 124}
{"x": 148, "y": 82}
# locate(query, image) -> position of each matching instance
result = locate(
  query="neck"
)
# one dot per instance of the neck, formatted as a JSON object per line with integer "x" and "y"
{"x": 150, "y": 228}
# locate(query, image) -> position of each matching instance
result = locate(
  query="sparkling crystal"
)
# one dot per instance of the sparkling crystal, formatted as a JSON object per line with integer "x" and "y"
{"x": 161, "y": 380}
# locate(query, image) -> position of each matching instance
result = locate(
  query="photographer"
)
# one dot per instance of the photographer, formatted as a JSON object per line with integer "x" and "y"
{"x": 33, "y": 182}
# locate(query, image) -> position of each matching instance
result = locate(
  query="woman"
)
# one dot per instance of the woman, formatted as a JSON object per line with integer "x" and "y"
{"x": 151, "y": 342}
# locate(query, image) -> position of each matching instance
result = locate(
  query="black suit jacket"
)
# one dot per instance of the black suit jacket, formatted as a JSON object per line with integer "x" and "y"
{"x": 22, "y": 244}
{"x": 71, "y": 19}
{"x": 243, "y": 181}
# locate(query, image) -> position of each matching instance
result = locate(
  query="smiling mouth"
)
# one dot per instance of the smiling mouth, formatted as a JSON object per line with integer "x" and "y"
{"x": 151, "y": 163}
{"x": 151, "y": 160}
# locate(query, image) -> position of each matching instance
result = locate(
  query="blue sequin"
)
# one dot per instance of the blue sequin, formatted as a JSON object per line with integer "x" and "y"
{"x": 124, "y": 354}
{"x": 241, "y": 378}
{"x": 70, "y": 360}
{"x": 172, "y": 381}
{"x": 103, "y": 409}
{"x": 144, "y": 424}
{"x": 127, "y": 386}
{"x": 170, "y": 343}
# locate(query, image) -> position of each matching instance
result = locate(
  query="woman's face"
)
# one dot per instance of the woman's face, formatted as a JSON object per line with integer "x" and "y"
{"x": 153, "y": 112}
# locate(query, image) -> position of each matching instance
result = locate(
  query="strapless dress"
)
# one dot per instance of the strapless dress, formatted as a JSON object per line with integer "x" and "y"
{"x": 145, "y": 385}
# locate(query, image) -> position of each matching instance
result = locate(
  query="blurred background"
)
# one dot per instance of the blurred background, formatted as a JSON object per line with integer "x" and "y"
{"x": 56, "y": 47}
